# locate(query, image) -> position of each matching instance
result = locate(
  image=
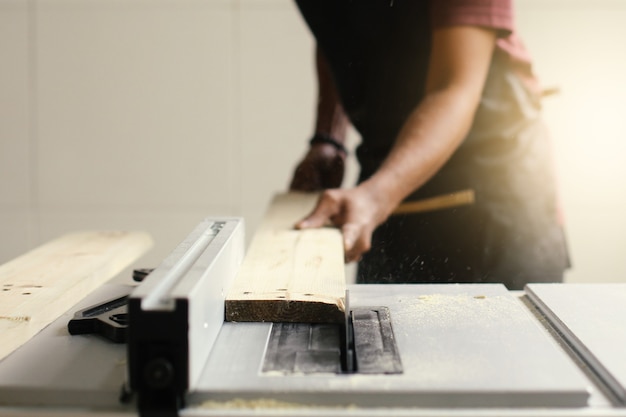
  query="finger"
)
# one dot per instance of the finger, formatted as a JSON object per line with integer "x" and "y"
{"x": 322, "y": 213}
{"x": 350, "y": 235}
{"x": 356, "y": 242}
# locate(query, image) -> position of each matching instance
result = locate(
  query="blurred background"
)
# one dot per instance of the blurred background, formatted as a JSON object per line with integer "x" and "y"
{"x": 153, "y": 114}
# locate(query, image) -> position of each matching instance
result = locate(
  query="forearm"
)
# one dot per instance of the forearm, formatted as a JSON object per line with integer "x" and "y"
{"x": 428, "y": 138}
{"x": 331, "y": 118}
{"x": 457, "y": 72}
{"x": 323, "y": 165}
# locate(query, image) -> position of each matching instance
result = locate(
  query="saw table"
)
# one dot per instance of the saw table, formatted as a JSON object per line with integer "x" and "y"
{"x": 406, "y": 350}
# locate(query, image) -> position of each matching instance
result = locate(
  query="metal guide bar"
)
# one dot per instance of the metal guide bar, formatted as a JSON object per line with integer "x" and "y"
{"x": 169, "y": 276}
{"x": 176, "y": 313}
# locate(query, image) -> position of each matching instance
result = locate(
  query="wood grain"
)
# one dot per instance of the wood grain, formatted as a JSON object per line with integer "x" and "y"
{"x": 39, "y": 286}
{"x": 290, "y": 275}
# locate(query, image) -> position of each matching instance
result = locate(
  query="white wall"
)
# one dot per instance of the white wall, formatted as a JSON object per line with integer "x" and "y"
{"x": 152, "y": 114}
{"x": 578, "y": 45}
{"x": 146, "y": 114}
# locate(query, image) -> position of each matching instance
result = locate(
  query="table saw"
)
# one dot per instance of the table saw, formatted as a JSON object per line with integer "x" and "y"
{"x": 406, "y": 350}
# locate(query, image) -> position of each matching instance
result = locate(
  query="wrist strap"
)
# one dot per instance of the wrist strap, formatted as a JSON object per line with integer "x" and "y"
{"x": 322, "y": 138}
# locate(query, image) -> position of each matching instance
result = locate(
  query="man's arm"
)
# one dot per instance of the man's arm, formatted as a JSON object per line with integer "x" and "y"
{"x": 323, "y": 165}
{"x": 459, "y": 63}
{"x": 331, "y": 118}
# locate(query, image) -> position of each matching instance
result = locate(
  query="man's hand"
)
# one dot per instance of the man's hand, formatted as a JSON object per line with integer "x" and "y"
{"x": 356, "y": 211}
{"x": 322, "y": 167}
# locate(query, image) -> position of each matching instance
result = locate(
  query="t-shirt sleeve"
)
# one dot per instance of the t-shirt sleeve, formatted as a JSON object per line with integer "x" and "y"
{"x": 492, "y": 14}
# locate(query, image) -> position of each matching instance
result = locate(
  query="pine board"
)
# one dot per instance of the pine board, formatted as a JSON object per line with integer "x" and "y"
{"x": 42, "y": 284}
{"x": 290, "y": 275}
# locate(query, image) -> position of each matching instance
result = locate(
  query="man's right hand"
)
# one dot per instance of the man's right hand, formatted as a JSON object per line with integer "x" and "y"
{"x": 355, "y": 211}
{"x": 321, "y": 168}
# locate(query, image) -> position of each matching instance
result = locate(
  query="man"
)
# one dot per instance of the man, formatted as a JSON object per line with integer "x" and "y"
{"x": 443, "y": 96}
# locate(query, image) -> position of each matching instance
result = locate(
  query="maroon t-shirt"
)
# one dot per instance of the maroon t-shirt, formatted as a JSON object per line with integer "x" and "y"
{"x": 490, "y": 14}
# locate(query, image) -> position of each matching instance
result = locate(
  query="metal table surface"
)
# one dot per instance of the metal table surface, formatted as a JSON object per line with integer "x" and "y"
{"x": 467, "y": 350}
{"x": 592, "y": 318}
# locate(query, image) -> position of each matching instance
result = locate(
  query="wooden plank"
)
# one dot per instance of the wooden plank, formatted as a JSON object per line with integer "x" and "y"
{"x": 39, "y": 286}
{"x": 290, "y": 275}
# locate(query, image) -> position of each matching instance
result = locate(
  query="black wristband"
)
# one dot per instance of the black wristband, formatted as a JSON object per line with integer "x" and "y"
{"x": 322, "y": 138}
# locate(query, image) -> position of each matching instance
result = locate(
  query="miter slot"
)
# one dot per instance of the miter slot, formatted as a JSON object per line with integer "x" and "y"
{"x": 310, "y": 348}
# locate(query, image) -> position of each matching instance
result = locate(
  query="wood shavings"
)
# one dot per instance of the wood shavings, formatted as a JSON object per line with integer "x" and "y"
{"x": 262, "y": 404}
{"x": 19, "y": 319}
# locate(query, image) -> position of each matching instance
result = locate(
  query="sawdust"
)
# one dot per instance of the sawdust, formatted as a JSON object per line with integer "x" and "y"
{"x": 445, "y": 307}
{"x": 432, "y": 314}
{"x": 453, "y": 307}
{"x": 17, "y": 319}
{"x": 454, "y": 331}
{"x": 256, "y": 404}
{"x": 260, "y": 404}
